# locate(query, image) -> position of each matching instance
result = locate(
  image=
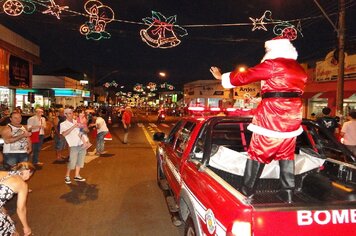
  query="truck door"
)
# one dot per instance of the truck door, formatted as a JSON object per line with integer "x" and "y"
{"x": 175, "y": 155}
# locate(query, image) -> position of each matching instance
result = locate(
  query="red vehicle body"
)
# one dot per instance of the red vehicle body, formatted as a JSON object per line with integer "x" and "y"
{"x": 207, "y": 199}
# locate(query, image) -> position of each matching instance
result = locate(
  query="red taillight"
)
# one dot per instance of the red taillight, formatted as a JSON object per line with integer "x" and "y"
{"x": 215, "y": 109}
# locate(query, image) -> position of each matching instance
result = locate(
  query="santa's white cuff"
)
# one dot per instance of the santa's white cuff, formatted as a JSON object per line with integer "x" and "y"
{"x": 225, "y": 81}
{"x": 274, "y": 134}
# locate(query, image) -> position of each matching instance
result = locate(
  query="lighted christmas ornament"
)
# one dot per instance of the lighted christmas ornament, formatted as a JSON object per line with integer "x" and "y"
{"x": 17, "y": 7}
{"x": 99, "y": 16}
{"x": 170, "y": 87}
{"x": 54, "y": 9}
{"x": 161, "y": 31}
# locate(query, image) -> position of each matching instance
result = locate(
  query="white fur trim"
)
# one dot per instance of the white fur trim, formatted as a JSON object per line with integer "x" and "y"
{"x": 225, "y": 81}
{"x": 274, "y": 134}
{"x": 280, "y": 48}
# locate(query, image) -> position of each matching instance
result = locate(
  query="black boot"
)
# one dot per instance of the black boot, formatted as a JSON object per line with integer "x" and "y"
{"x": 253, "y": 171}
{"x": 287, "y": 180}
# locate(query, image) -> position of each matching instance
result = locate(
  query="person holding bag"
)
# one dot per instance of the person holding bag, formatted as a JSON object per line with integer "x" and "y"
{"x": 36, "y": 124}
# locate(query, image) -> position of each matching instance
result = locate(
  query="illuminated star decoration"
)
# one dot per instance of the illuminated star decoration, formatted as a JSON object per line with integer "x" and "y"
{"x": 17, "y": 7}
{"x": 161, "y": 31}
{"x": 54, "y": 9}
{"x": 99, "y": 16}
{"x": 258, "y": 23}
{"x": 282, "y": 29}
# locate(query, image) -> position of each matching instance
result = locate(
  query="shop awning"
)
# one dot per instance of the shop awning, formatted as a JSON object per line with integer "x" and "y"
{"x": 332, "y": 94}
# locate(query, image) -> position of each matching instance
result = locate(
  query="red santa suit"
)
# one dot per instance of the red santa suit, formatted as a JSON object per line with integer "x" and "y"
{"x": 277, "y": 120}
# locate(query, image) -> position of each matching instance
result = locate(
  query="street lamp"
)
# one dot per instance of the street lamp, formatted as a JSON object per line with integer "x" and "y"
{"x": 162, "y": 74}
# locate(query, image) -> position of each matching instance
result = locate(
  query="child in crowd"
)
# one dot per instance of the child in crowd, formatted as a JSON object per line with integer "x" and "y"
{"x": 83, "y": 125}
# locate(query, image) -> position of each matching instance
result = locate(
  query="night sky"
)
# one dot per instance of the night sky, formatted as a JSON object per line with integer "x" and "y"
{"x": 126, "y": 59}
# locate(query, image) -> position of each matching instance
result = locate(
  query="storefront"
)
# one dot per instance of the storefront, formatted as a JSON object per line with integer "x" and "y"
{"x": 210, "y": 94}
{"x": 17, "y": 56}
{"x": 71, "y": 97}
{"x": 41, "y": 98}
{"x": 321, "y": 88}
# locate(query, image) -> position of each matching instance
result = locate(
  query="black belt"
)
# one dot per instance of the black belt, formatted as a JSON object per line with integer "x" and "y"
{"x": 281, "y": 95}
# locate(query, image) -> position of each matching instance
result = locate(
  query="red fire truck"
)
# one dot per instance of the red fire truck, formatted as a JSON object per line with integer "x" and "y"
{"x": 200, "y": 165}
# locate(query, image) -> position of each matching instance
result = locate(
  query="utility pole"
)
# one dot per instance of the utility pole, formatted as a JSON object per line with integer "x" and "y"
{"x": 341, "y": 60}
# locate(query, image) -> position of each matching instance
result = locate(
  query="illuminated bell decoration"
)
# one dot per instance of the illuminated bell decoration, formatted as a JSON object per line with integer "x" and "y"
{"x": 161, "y": 31}
{"x": 99, "y": 16}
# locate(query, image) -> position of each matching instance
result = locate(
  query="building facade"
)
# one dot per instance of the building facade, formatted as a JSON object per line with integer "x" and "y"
{"x": 321, "y": 87}
{"x": 17, "y": 57}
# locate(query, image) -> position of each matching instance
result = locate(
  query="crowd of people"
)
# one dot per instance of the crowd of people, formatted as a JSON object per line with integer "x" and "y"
{"x": 22, "y": 147}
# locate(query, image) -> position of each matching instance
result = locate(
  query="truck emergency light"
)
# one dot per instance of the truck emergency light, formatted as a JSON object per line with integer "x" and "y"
{"x": 196, "y": 108}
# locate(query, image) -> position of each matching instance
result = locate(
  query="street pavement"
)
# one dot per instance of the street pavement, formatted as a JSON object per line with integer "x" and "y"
{"x": 120, "y": 196}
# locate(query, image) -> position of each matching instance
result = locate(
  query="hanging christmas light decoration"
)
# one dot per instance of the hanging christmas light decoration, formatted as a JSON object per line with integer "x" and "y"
{"x": 170, "y": 87}
{"x": 17, "y": 7}
{"x": 152, "y": 86}
{"x": 106, "y": 85}
{"x": 258, "y": 23}
{"x": 54, "y": 9}
{"x": 161, "y": 31}
{"x": 114, "y": 84}
{"x": 167, "y": 86}
{"x": 99, "y": 16}
{"x": 138, "y": 88}
{"x": 151, "y": 94}
{"x": 282, "y": 29}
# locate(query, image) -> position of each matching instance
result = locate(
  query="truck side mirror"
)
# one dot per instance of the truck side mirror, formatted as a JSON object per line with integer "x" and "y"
{"x": 158, "y": 136}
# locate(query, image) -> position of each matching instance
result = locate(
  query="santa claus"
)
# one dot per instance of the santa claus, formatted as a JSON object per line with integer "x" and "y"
{"x": 277, "y": 121}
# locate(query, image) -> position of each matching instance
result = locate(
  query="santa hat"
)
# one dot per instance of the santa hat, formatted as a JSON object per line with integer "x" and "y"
{"x": 280, "y": 48}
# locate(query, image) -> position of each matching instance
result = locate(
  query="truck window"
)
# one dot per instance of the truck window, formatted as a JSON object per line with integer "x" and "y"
{"x": 183, "y": 137}
{"x": 234, "y": 136}
{"x": 172, "y": 134}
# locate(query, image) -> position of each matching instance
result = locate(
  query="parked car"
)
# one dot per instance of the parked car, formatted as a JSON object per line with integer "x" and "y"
{"x": 200, "y": 166}
{"x": 48, "y": 132}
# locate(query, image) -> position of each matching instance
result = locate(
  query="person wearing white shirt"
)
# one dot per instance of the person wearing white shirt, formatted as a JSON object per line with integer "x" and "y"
{"x": 34, "y": 124}
{"x": 70, "y": 130}
{"x": 102, "y": 130}
{"x": 348, "y": 133}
